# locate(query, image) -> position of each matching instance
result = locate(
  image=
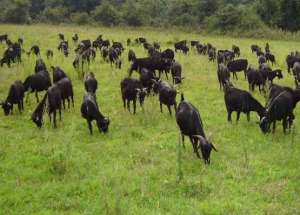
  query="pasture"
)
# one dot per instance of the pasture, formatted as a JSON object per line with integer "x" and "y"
{"x": 135, "y": 168}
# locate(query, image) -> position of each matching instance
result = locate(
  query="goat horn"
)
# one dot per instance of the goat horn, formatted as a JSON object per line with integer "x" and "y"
{"x": 199, "y": 137}
{"x": 213, "y": 147}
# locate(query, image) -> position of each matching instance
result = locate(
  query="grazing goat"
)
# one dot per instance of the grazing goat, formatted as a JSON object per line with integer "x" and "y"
{"x": 190, "y": 123}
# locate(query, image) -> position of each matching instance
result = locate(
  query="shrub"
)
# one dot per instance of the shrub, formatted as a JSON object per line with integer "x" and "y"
{"x": 55, "y": 14}
{"x": 106, "y": 14}
{"x": 234, "y": 19}
{"x": 250, "y": 22}
{"x": 17, "y": 12}
{"x": 185, "y": 20}
{"x": 133, "y": 19}
{"x": 80, "y": 18}
{"x": 132, "y": 14}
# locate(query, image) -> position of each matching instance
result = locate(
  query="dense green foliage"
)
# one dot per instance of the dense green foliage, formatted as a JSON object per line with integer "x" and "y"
{"x": 138, "y": 167}
{"x": 219, "y": 15}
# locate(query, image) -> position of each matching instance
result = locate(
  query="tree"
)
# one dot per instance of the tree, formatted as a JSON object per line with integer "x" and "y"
{"x": 132, "y": 14}
{"x": 228, "y": 17}
{"x": 106, "y": 14}
{"x": 80, "y": 18}
{"x": 290, "y": 10}
{"x": 269, "y": 11}
{"x": 55, "y": 14}
{"x": 36, "y": 8}
{"x": 17, "y": 12}
{"x": 207, "y": 8}
{"x": 81, "y": 5}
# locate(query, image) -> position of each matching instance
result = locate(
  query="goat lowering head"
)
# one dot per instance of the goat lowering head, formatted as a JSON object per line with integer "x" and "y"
{"x": 156, "y": 84}
{"x": 103, "y": 125}
{"x": 279, "y": 74}
{"x": 141, "y": 94}
{"x": 265, "y": 125}
{"x": 7, "y": 107}
{"x": 206, "y": 147}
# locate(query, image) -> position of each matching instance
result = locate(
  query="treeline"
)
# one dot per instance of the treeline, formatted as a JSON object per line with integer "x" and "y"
{"x": 213, "y": 15}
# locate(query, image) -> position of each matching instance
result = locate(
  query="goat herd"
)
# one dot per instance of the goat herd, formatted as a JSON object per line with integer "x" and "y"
{"x": 282, "y": 99}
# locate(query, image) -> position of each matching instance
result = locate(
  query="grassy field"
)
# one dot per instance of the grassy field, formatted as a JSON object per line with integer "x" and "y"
{"x": 134, "y": 169}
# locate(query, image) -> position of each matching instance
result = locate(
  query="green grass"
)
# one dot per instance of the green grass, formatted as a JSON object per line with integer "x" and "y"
{"x": 134, "y": 168}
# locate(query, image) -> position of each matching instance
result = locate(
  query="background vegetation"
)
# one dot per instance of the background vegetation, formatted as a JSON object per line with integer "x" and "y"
{"x": 136, "y": 167}
{"x": 221, "y": 16}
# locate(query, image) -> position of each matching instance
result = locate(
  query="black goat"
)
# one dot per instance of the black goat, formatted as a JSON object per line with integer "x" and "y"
{"x": 58, "y": 73}
{"x": 53, "y": 95}
{"x": 168, "y": 54}
{"x": 40, "y": 65}
{"x": 256, "y": 78}
{"x": 223, "y": 75}
{"x": 282, "y": 102}
{"x": 49, "y": 53}
{"x": 37, "y": 82}
{"x": 296, "y": 73}
{"x": 160, "y": 64}
{"x": 146, "y": 79}
{"x": 236, "y": 50}
{"x": 167, "y": 95}
{"x": 91, "y": 83}
{"x": 131, "y": 56}
{"x": 270, "y": 75}
{"x": 131, "y": 90}
{"x": 241, "y": 101}
{"x": 238, "y": 66}
{"x": 75, "y": 38}
{"x": 35, "y": 50}
{"x": 64, "y": 48}
{"x": 113, "y": 56}
{"x": 176, "y": 71}
{"x": 262, "y": 59}
{"x": 66, "y": 89}
{"x": 270, "y": 57}
{"x": 15, "y": 96}
{"x": 190, "y": 123}
{"x": 90, "y": 111}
